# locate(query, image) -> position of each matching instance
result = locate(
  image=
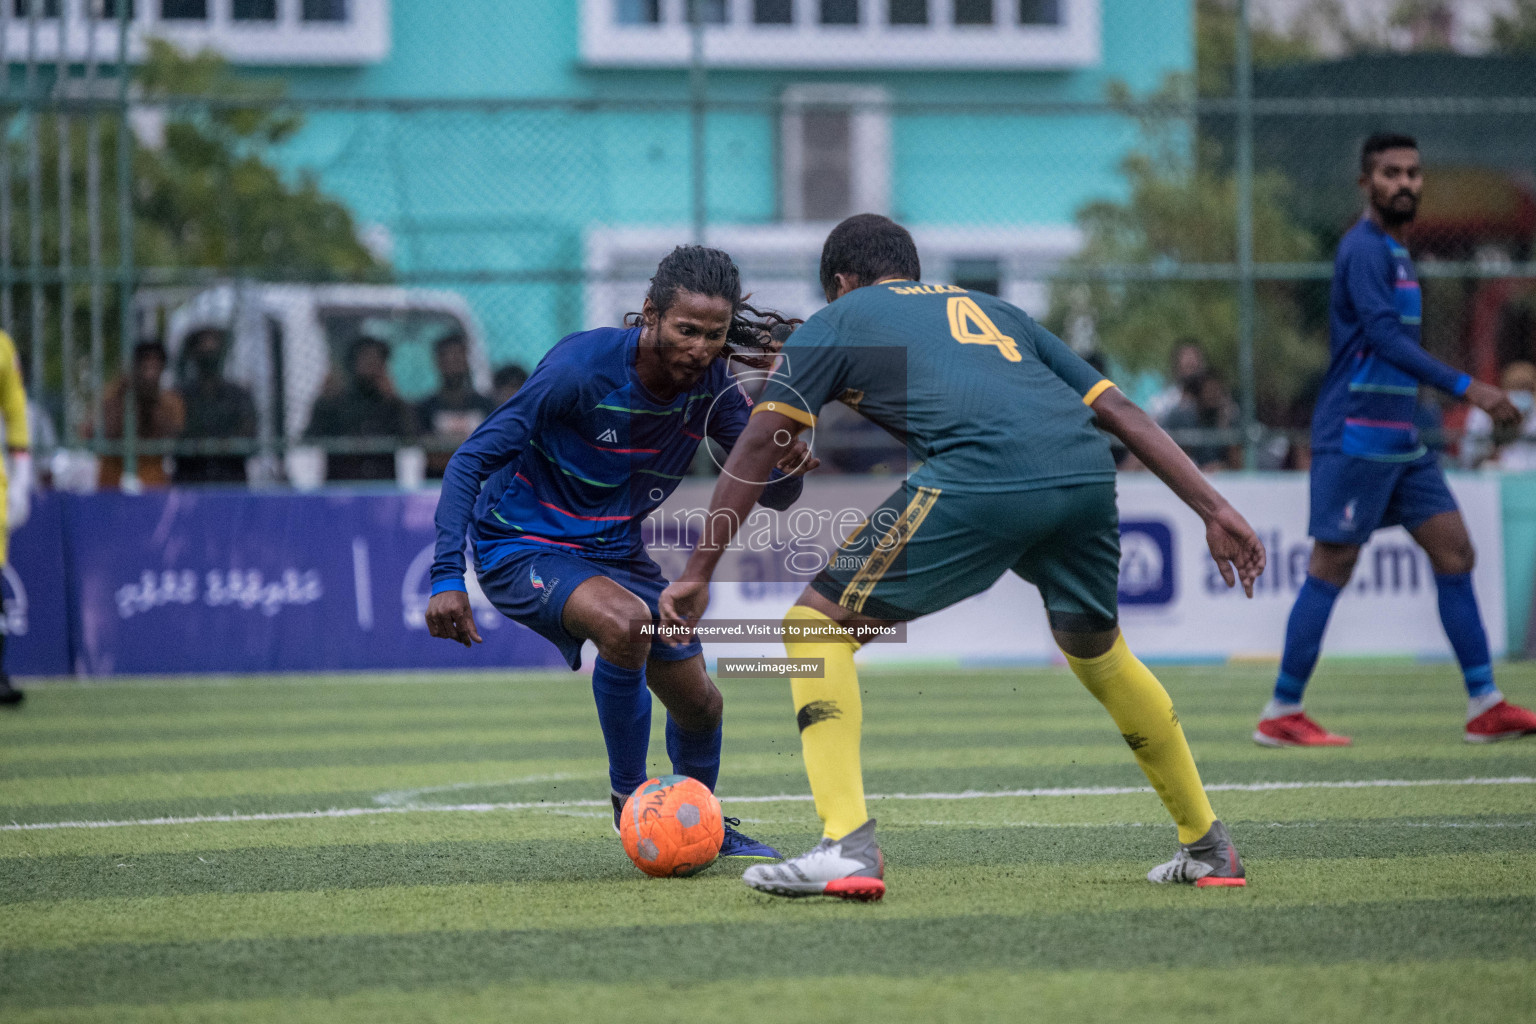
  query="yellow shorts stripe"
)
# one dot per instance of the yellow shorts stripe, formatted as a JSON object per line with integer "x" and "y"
{"x": 1097, "y": 390}
{"x": 784, "y": 409}
{"x": 847, "y": 545}
{"x": 887, "y": 548}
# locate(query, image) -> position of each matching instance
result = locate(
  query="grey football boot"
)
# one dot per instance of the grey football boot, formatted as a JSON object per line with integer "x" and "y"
{"x": 850, "y": 868}
{"x": 1209, "y": 860}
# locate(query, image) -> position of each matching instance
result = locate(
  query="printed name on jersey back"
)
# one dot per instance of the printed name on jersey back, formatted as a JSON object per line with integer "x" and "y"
{"x": 928, "y": 289}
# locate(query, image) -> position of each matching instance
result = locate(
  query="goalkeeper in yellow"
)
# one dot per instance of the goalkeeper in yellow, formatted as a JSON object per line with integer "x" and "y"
{"x": 1014, "y": 476}
{"x": 15, "y": 484}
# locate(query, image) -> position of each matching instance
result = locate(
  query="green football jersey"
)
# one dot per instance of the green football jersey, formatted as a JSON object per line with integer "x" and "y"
{"x": 984, "y": 397}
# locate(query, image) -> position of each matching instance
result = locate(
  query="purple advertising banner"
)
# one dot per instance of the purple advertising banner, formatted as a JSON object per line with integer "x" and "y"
{"x": 37, "y": 621}
{"x": 230, "y": 581}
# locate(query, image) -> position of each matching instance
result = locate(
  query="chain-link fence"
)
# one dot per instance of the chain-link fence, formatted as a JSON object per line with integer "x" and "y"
{"x": 1150, "y": 223}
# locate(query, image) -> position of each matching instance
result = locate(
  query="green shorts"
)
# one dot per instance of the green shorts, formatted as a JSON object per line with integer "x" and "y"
{"x": 925, "y": 549}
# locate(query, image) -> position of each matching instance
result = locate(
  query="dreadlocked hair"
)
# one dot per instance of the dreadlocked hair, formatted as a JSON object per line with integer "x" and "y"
{"x": 756, "y": 334}
{"x": 753, "y": 334}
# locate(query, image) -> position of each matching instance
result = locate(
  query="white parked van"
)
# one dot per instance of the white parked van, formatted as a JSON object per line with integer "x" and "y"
{"x": 299, "y": 334}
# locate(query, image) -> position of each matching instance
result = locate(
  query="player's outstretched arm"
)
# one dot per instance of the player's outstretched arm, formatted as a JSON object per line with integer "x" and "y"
{"x": 1388, "y": 341}
{"x": 499, "y": 440}
{"x": 787, "y": 480}
{"x": 729, "y": 419}
{"x": 1236, "y": 548}
{"x": 767, "y": 441}
{"x": 1372, "y": 288}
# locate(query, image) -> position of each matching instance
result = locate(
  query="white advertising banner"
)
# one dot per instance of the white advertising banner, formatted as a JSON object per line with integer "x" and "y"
{"x": 1389, "y": 607}
{"x": 1173, "y": 604}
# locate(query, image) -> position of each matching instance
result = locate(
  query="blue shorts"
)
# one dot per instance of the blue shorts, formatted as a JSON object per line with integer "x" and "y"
{"x": 1354, "y": 497}
{"x": 531, "y": 584}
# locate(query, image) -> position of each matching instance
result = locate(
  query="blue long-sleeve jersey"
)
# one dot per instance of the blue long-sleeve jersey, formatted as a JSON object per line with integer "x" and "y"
{"x": 1366, "y": 407}
{"x": 580, "y": 456}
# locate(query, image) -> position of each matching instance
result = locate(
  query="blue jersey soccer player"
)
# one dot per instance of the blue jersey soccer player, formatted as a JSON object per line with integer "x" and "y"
{"x": 1016, "y": 477}
{"x": 552, "y": 488}
{"x": 1369, "y": 469}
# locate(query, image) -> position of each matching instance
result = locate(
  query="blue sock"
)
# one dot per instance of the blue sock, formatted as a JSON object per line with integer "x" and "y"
{"x": 1464, "y": 626}
{"x": 1304, "y": 638}
{"x": 694, "y": 754}
{"x": 624, "y": 711}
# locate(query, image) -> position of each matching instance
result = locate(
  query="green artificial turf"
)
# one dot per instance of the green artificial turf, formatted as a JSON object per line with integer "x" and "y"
{"x": 396, "y": 888}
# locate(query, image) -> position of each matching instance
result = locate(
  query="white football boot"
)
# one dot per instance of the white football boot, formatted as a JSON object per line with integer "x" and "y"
{"x": 850, "y": 868}
{"x": 1209, "y": 860}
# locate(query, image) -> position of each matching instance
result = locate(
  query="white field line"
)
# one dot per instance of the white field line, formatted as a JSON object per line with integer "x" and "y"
{"x": 1167, "y": 824}
{"x": 407, "y": 797}
{"x": 968, "y": 794}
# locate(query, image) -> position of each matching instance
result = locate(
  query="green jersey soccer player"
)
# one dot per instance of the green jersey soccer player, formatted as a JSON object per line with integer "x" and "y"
{"x": 1016, "y": 475}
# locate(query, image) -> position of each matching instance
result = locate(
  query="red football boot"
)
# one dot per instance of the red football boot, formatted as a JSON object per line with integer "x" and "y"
{"x": 1503, "y": 721}
{"x": 1297, "y": 731}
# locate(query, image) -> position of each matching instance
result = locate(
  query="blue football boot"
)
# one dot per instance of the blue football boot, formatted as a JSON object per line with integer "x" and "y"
{"x": 736, "y": 844}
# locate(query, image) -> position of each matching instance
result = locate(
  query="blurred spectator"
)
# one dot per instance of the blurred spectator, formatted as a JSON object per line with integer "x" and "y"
{"x": 40, "y": 428}
{"x": 452, "y": 413}
{"x": 507, "y": 382}
{"x": 1514, "y": 448}
{"x": 367, "y": 407}
{"x": 160, "y": 416}
{"x": 45, "y": 441}
{"x": 217, "y": 409}
{"x": 1287, "y": 446}
{"x": 1206, "y": 405}
{"x": 1188, "y": 363}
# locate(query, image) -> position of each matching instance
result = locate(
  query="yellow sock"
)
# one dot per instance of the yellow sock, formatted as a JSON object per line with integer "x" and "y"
{"x": 831, "y": 717}
{"x": 1144, "y": 714}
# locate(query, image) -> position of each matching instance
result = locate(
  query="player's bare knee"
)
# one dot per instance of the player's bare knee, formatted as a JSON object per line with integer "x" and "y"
{"x": 707, "y": 705}
{"x": 1342, "y": 563}
{"x": 623, "y": 650}
{"x": 700, "y": 710}
{"x": 1081, "y": 644}
{"x": 1333, "y": 563}
{"x": 618, "y": 640}
{"x": 1454, "y": 559}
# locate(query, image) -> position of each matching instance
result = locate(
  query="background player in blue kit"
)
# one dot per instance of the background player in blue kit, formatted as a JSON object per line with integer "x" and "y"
{"x": 1369, "y": 469}
{"x": 553, "y": 486}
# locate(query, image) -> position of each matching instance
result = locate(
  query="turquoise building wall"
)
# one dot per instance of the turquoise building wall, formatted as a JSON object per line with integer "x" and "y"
{"x": 494, "y": 202}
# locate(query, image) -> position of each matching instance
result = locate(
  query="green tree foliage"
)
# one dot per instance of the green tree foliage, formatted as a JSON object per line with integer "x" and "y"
{"x": 1514, "y": 29}
{"x": 210, "y": 197}
{"x": 1181, "y": 208}
{"x": 1181, "y": 212}
{"x": 1216, "y": 47}
{"x": 206, "y": 196}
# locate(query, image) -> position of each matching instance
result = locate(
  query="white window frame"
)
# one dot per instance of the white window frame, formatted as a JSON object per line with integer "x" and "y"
{"x": 779, "y": 261}
{"x": 362, "y": 39}
{"x": 869, "y": 140}
{"x": 1003, "y": 45}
